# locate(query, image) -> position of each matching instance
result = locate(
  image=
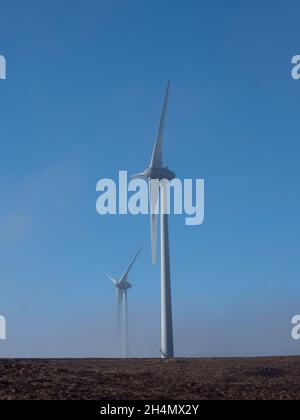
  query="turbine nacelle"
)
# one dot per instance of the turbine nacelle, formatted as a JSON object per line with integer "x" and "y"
{"x": 124, "y": 286}
{"x": 156, "y": 173}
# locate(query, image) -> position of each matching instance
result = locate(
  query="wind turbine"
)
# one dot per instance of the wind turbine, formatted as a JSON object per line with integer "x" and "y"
{"x": 157, "y": 171}
{"x": 122, "y": 285}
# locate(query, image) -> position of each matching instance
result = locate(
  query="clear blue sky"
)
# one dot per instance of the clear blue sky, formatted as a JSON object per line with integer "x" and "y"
{"x": 82, "y": 101}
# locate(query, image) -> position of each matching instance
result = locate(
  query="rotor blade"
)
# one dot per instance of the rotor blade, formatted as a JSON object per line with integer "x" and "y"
{"x": 153, "y": 222}
{"x": 125, "y": 275}
{"x": 138, "y": 176}
{"x": 154, "y": 210}
{"x": 125, "y": 314}
{"x": 119, "y": 311}
{"x": 157, "y": 154}
{"x": 109, "y": 277}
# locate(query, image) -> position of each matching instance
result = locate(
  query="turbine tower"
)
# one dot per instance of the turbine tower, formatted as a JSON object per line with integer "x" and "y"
{"x": 158, "y": 172}
{"x": 122, "y": 285}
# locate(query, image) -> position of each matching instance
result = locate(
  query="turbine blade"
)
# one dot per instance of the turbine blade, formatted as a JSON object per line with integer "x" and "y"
{"x": 153, "y": 222}
{"x": 109, "y": 277}
{"x": 157, "y": 154}
{"x": 140, "y": 175}
{"x": 119, "y": 311}
{"x": 125, "y": 308}
{"x": 125, "y": 275}
{"x": 154, "y": 210}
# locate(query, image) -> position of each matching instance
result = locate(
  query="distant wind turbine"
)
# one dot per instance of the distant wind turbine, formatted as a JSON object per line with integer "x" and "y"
{"x": 157, "y": 171}
{"x": 122, "y": 285}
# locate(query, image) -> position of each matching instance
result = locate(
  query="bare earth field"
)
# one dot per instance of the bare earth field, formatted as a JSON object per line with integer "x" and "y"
{"x": 150, "y": 379}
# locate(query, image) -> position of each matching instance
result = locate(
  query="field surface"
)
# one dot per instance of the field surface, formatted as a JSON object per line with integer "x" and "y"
{"x": 118, "y": 379}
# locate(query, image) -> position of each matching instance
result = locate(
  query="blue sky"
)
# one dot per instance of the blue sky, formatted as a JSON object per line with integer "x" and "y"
{"x": 81, "y": 101}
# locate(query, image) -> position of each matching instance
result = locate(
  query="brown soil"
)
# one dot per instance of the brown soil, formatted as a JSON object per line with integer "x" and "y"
{"x": 149, "y": 379}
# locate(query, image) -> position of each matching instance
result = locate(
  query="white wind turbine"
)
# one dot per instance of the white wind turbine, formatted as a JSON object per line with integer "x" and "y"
{"x": 122, "y": 285}
{"x": 157, "y": 171}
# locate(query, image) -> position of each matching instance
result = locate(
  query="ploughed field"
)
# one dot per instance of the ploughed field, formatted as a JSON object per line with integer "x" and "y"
{"x": 150, "y": 379}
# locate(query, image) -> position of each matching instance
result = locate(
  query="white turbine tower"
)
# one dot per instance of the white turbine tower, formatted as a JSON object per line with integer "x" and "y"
{"x": 122, "y": 285}
{"x": 157, "y": 172}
